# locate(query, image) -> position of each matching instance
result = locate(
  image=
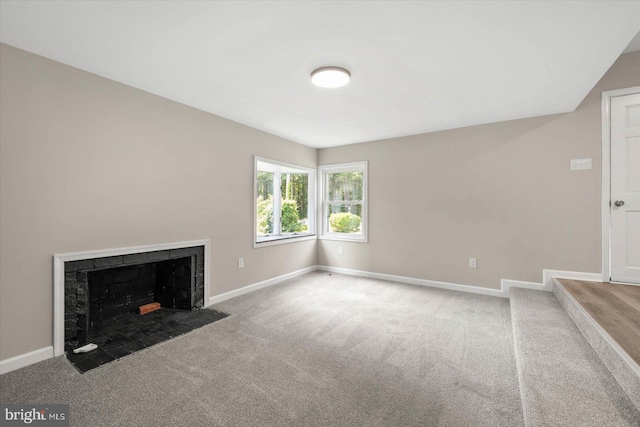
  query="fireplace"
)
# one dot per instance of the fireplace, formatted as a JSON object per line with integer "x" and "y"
{"x": 98, "y": 290}
{"x": 97, "y": 295}
{"x": 97, "y": 287}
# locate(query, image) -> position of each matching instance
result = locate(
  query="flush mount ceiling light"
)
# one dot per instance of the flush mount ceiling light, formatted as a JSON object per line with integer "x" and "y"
{"x": 330, "y": 77}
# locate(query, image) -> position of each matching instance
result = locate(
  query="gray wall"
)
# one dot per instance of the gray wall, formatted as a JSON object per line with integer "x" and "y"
{"x": 502, "y": 193}
{"x": 88, "y": 163}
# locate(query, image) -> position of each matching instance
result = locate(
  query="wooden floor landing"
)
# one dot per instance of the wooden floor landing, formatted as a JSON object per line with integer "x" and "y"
{"x": 615, "y": 307}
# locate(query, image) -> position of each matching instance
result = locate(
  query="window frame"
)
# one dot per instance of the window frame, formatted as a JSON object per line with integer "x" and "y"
{"x": 323, "y": 202}
{"x": 311, "y": 205}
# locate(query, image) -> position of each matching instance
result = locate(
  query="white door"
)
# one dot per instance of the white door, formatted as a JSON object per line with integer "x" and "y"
{"x": 625, "y": 188}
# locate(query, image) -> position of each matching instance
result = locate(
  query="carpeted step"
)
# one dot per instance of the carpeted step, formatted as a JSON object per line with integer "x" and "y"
{"x": 562, "y": 380}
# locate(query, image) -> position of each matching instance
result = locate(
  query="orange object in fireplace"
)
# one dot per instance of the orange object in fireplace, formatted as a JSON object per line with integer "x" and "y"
{"x": 148, "y": 308}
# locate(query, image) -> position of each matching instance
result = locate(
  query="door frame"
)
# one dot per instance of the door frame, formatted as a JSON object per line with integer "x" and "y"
{"x": 606, "y": 175}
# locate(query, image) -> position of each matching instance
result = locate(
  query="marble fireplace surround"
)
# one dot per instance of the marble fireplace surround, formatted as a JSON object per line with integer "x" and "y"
{"x": 59, "y": 278}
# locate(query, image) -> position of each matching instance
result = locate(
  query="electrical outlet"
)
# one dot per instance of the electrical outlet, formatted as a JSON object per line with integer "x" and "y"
{"x": 473, "y": 263}
{"x": 340, "y": 250}
{"x": 240, "y": 262}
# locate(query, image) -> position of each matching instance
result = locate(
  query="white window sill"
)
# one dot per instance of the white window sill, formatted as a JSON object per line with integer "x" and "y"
{"x": 280, "y": 240}
{"x": 357, "y": 238}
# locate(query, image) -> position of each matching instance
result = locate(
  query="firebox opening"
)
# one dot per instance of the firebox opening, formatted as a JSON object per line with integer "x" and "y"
{"x": 121, "y": 290}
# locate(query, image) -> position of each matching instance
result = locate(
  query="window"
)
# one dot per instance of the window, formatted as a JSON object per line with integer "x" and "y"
{"x": 284, "y": 203}
{"x": 344, "y": 201}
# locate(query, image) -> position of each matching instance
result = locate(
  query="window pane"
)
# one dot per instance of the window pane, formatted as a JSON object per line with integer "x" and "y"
{"x": 294, "y": 188}
{"x": 345, "y": 218}
{"x": 345, "y": 186}
{"x": 265, "y": 203}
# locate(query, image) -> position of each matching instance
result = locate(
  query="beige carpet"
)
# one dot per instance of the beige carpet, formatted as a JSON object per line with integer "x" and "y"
{"x": 319, "y": 350}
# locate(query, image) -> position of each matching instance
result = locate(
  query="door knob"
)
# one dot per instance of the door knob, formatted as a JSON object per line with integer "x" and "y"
{"x": 619, "y": 203}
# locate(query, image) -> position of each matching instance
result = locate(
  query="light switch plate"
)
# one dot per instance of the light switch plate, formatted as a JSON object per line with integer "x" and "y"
{"x": 580, "y": 164}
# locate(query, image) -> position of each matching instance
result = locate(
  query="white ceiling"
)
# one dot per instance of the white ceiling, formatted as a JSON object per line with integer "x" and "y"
{"x": 416, "y": 66}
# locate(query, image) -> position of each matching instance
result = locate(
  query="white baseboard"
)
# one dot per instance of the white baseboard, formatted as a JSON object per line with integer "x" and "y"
{"x": 547, "y": 280}
{"x": 548, "y": 275}
{"x": 507, "y": 284}
{"x": 414, "y": 281}
{"x": 254, "y": 287}
{"x": 22, "y": 360}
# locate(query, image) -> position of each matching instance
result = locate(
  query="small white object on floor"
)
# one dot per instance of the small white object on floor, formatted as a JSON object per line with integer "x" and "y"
{"x": 85, "y": 348}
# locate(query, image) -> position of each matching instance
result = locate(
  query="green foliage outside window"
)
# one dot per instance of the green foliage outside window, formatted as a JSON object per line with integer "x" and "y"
{"x": 289, "y": 216}
{"x": 345, "y": 186}
{"x": 295, "y": 187}
{"x": 344, "y": 222}
{"x": 265, "y": 215}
